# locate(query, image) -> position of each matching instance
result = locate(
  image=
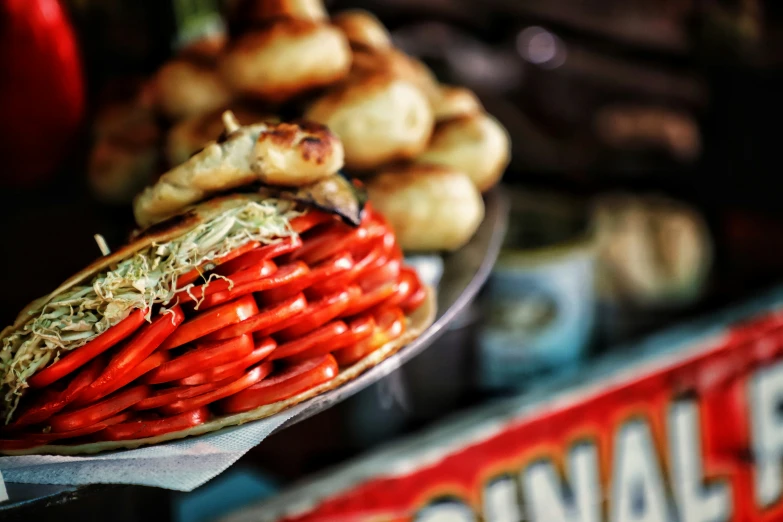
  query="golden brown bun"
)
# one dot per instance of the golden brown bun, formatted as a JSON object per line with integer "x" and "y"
{"x": 379, "y": 118}
{"x": 297, "y": 154}
{"x": 362, "y": 27}
{"x": 286, "y": 58}
{"x": 477, "y": 145}
{"x": 285, "y": 154}
{"x": 455, "y": 102}
{"x": 430, "y": 208}
{"x": 185, "y": 87}
{"x": 368, "y": 61}
{"x": 191, "y": 134}
{"x": 265, "y": 10}
{"x": 650, "y": 250}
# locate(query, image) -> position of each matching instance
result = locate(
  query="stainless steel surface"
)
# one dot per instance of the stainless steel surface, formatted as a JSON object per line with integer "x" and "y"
{"x": 464, "y": 273}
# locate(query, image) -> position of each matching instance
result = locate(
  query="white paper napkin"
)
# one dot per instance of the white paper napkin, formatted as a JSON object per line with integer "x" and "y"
{"x": 180, "y": 465}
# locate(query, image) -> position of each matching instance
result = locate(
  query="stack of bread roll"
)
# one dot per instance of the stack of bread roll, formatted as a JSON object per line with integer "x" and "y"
{"x": 425, "y": 151}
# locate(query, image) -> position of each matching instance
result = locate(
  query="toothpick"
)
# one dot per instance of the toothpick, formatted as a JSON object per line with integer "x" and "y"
{"x": 230, "y": 122}
{"x": 102, "y": 245}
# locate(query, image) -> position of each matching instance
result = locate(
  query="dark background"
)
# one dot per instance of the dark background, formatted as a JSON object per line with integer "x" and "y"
{"x": 715, "y": 62}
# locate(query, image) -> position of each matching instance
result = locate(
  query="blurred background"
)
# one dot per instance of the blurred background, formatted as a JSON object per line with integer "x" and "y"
{"x": 643, "y": 182}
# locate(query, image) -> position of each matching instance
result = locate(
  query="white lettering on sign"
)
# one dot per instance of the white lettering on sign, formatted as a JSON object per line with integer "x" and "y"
{"x": 3, "y": 490}
{"x": 500, "y": 501}
{"x": 695, "y": 501}
{"x": 766, "y": 423}
{"x": 447, "y": 512}
{"x": 547, "y": 498}
{"x": 638, "y": 493}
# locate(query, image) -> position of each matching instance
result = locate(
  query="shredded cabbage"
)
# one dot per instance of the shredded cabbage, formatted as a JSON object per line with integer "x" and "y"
{"x": 149, "y": 277}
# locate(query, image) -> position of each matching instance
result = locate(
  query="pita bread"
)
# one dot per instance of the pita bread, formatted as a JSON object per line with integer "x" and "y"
{"x": 418, "y": 321}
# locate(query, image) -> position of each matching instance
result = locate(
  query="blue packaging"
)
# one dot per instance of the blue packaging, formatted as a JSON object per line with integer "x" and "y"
{"x": 539, "y": 303}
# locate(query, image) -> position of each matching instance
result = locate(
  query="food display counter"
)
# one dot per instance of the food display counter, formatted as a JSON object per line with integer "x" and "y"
{"x": 682, "y": 426}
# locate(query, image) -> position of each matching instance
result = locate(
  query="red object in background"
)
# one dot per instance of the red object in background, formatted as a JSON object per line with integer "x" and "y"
{"x": 42, "y": 94}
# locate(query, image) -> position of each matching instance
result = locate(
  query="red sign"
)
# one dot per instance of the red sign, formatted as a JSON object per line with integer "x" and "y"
{"x": 699, "y": 438}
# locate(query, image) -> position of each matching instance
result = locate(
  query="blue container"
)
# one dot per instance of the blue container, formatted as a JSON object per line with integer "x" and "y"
{"x": 539, "y": 303}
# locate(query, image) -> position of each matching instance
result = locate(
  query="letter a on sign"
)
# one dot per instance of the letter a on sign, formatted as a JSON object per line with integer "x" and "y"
{"x": 638, "y": 493}
{"x": 696, "y": 502}
{"x": 545, "y": 496}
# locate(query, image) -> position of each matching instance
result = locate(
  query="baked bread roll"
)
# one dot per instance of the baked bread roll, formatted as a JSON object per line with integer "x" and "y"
{"x": 455, "y": 102}
{"x": 430, "y": 208}
{"x": 379, "y": 118}
{"x": 189, "y": 135}
{"x": 651, "y": 250}
{"x": 369, "y": 60}
{"x": 363, "y": 28}
{"x": 189, "y": 84}
{"x": 286, "y": 58}
{"x": 283, "y": 154}
{"x": 478, "y": 145}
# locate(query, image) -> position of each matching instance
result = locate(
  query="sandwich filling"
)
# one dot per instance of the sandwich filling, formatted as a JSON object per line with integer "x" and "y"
{"x": 147, "y": 278}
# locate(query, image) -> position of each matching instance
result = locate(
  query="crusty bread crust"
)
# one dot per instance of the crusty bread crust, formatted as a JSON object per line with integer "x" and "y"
{"x": 443, "y": 199}
{"x": 286, "y": 153}
{"x": 286, "y": 57}
{"x": 362, "y": 27}
{"x": 476, "y": 144}
{"x": 379, "y": 117}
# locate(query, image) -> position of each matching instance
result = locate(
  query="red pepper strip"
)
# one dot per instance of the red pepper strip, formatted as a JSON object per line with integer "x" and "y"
{"x": 391, "y": 325}
{"x": 169, "y": 395}
{"x": 146, "y": 341}
{"x": 387, "y": 273}
{"x": 48, "y": 407}
{"x": 408, "y": 284}
{"x": 99, "y": 391}
{"x": 212, "y": 320}
{"x": 328, "y": 243}
{"x": 313, "y": 218}
{"x": 253, "y": 273}
{"x": 120, "y": 401}
{"x": 142, "y": 429}
{"x": 323, "y": 334}
{"x": 284, "y": 276}
{"x": 317, "y": 313}
{"x": 189, "y": 277}
{"x": 414, "y": 300}
{"x": 375, "y": 256}
{"x": 295, "y": 379}
{"x": 203, "y": 356}
{"x": 359, "y": 329}
{"x": 370, "y": 299}
{"x": 260, "y": 352}
{"x": 262, "y": 253}
{"x": 322, "y": 272}
{"x": 245, "y": 381}
{"x": 31, "y": 440}
{"x": 84, "y": 354}
{"x": 268, "y": 316}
